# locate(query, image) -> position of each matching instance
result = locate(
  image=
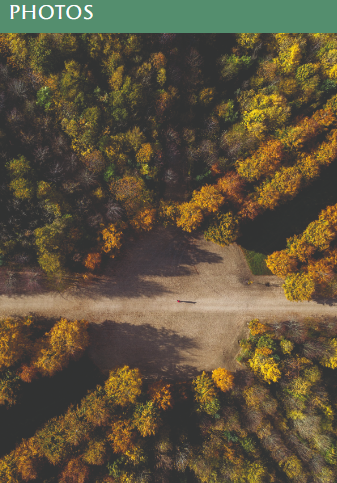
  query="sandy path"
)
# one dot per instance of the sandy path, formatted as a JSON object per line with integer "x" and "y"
{"x": 136, "y": 317}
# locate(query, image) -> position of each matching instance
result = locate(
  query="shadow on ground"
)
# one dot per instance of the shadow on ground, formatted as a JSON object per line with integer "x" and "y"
{"x": 44, "y": 399}
{"x": 160, "y": 253}
{"x": 163, "y": 252}
{"x": 158, "y": 353}
{"x": 269, "y": 231}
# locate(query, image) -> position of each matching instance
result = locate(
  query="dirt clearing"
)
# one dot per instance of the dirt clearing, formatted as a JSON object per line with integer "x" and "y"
{"x": 136, "y": 319}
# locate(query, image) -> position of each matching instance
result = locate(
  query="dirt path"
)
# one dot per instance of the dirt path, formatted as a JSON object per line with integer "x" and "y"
{"x": 136, "y": 317}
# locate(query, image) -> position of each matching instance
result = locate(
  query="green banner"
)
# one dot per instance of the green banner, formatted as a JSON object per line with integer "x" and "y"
{"x": 147, "y": 16}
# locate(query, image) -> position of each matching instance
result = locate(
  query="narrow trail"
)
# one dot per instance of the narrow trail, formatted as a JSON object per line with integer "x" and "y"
{"x": 135, "y": 316}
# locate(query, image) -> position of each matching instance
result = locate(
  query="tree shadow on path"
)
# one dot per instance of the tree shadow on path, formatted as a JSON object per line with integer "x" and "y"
{"x": 158, "y": 353}
{"x": 161, "y": 253}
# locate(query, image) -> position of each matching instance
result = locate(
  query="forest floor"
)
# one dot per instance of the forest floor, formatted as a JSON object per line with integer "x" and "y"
{"x": 136, "y": 319}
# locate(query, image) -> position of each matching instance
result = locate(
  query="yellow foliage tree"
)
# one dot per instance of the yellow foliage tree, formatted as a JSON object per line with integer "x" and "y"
{"x": 95, "y": 452}
{"x": 66, "y": 340}
{"x": 167, "y": 212}
{"x": 281, "y": 263}
{"x": 14, "y": 340}
{"x": 262, "y": 363}
{"x": 146, "y": 418}
{"x": 300, "y": 249}
{"x": 190, "y": 216}
{"x": 8, "y": 469}
{"x": 286, "y": 346}
{"x": 262, "y": 113}
{"x": 331, "y": 360}
{"x": 205, "y": 394}
{"x": 22, "y": 188}
{"x": 112, "y": 239}
{"x": 223, "y": 379}
{"x": 299, "y": 287}
{"x": 208, "y": 199}
{"x": 205, "y": 201}
{"x": 27, "y": 460}
{"x": 224, "y": 230}
{"x": 247, "y": 41}
{"x": 283, "y": 186}
{"x": 292, "y": 467}
{"x": 123, "y": 386}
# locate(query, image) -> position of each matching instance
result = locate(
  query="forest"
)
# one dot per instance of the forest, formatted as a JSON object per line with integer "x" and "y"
{"x": 272, "y": 421}
{"x": 104, "y": 136}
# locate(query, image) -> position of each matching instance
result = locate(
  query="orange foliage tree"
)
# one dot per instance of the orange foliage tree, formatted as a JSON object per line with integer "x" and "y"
{"x": 122, "y": 435}
{"x": 263, "y": 162}
{"x": 281, "y": 263}
{"x": 27, "y": 460}
{"x": 160, "y": 394}
{"x": 75, "y": 471}
{"x": 223, "y": 379}
{"x": 92, "y": 261}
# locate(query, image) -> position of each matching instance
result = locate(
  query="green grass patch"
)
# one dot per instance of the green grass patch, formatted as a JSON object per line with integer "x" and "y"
{"x": 256, "y": 262}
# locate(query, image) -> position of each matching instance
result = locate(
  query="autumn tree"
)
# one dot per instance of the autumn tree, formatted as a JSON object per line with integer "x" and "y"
{"x": 50, "y": 238}
{"x": 112, "y": 239}
{"x": 312, "y": 251}
{"x": 205, "y": 394}
{"x": 95, "y": 453}
{"x": 14, "y": 340}
{"x": 256, "y": 327}
{"x": 146, "y": 418}
{"x": 161, "y": 395}
{"x": 94, "y": 408}
{"x": 223, "y": 379}
{"x": 283, "y": 185}
{"x": 121, "y": 435}
{"x": 281, "y": 263}
{"x": 144, "y": 219}
{"x": 263, "y": 162}
{"x": 27, "y": 460}
{"x": 75, "y": 471}
{"x": 9, "y": 388}
{"x": 92, "y": 261}
{"x": 190, "y": 216}
{"x": 123, "y": 386}
{"x": 264, "y": 364}
{"x": 65, "y": 341}
{"x": 204, "y": 202}
{"x": 224, "y": 230}
{"x": 20, "y": 173}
